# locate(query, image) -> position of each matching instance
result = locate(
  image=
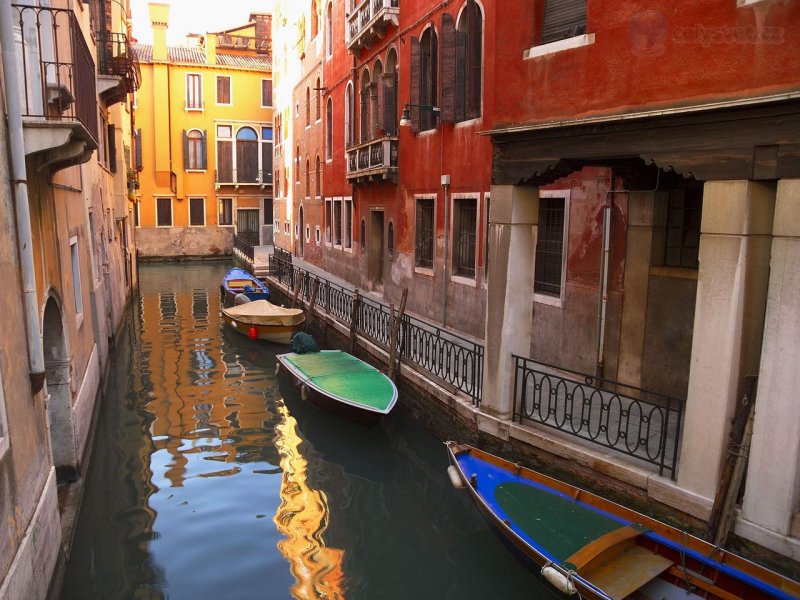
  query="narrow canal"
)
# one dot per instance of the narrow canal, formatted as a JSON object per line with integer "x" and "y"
{"x": 211, "y": 479}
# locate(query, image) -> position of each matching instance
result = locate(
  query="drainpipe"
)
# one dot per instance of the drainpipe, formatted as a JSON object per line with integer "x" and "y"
{"x": 12, "y": 86}
{"x": 604, "y": 273}
{"x": 446, "y": 187}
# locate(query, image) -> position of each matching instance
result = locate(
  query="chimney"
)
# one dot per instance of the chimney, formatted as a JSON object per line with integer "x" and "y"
{"x": 159, "y": 21}
{"x": 263, "y": 32}
{"x": 211, "y": 48}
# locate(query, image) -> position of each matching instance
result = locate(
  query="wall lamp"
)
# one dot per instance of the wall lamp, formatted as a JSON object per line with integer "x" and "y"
{"x": 405, "y": 119}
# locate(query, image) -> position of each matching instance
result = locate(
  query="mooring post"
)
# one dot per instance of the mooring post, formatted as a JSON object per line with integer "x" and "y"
{"x": 354, "y": 320}
{"x": 298, "y": 283}
{"x": 394, "y": 359}
{"x": 313, "y": 301}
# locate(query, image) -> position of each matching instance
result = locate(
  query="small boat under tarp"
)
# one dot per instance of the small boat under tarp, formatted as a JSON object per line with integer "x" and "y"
{"x": 593, "y": 548}
{"x": 238, "y": 281}
{"x": 342, "y": 383}
{"x": 262, "y": 320}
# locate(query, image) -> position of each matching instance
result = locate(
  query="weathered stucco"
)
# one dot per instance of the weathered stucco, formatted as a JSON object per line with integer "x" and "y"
{"x": 181, "y": 242}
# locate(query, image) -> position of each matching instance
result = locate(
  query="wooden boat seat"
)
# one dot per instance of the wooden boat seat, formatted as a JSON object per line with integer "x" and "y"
{"x": 603, "y": 548}
{"x": 238, "y": 284}
{"x": 627, "y": 571}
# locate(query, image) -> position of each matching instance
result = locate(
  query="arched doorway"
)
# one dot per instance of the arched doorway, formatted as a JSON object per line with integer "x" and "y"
{"x": 59, "y": 393}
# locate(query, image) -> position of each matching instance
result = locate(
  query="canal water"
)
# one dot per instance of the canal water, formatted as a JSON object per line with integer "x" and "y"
{"x": 211, "y": 479}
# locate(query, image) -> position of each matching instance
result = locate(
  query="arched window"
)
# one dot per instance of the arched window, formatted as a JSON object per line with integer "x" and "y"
{"x": 297, "y": 165}
{"x": 308, "y": 178}
{"x": 349, "y": 116}
{"x": 388, "y": 94}
{"x": 194, "y": 143}
{"x": 318, "y": 179}
{"x": 329, "y": 130}
{"x": 319, "y": 100}
{"x": 366, "y": 90}
{"x": 469, "y": 64}
{"x": 308, "y": 106}
{"x": 314, "y": 19}
{"x": 374, "y": 104}
{"x": 329, "y": 31}
{"x": 247, "y": 155}
{"x": 424, "y": 72}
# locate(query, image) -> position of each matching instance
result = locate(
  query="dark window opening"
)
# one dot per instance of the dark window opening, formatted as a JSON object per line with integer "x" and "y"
{"x": 465, "y": 227}
{"x": 423, "y": 251}
{"x": 550, "y": 247}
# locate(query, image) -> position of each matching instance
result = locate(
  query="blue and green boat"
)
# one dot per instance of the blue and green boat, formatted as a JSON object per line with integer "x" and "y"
{"x": 589, "y": 547}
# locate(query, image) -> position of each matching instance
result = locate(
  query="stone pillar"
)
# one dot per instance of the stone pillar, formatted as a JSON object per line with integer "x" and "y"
{"x": 513, "y": 215}
{"x": 638, "y": 251}
{"x": 773, "y": 475}
{"x": 732, "y": 281}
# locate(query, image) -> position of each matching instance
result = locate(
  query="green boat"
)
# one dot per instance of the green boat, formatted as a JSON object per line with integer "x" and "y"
{"x": 340, "y": 382}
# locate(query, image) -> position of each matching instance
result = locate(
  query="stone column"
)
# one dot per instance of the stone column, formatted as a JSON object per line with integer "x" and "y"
{"x": 735, "y": 241}
{"x": 773, "y": 475}
{"x": 513, "y": 216}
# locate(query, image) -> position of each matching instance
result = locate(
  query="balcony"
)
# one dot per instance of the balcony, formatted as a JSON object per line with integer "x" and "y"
{"x": 368, "y": 21}
{"x": 58, "y": 93}
{"x": 241, "y": 42}
{"x": 238, "y": 177}
{"x": 118, "y": 72}
{"x": 373, "y": 160}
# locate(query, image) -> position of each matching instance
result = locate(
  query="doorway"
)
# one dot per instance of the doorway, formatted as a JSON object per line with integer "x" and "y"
{"x": 375, "y": 250}
{"x": 247, "y": 225}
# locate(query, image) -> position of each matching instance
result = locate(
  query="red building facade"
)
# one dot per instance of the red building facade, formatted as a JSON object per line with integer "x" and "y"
{"x": 407, "y": 203}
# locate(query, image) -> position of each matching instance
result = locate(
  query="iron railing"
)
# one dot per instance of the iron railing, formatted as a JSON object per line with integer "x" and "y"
{"x": 244, "y": 247}
{"x": 117, "y": 59}
{"x": 241, "y": 42}
{"x": 242, "y": 177}
{"x": 374, "y": 157}
{"x": 452, "y": 359}
{"x": 367, "y": 20}
{"x": 637, "y": 422}
{"x": 58, "y": 73}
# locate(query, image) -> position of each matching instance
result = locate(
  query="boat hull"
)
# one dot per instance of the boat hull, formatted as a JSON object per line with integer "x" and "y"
{"x": 277, "y": 334}
{"x": 673, "y": 556}
{"x": 339, "y": 405}
{"x": 234, "y": 283}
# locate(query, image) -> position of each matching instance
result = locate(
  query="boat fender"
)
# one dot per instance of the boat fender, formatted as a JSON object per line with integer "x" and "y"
{"x": 455, "y": 477}
{"x": 304, "y": 392}
{"x": 473, "y": 480}
{"x": 252, "y": 333}
{"x": 277, "y": 368}
{"x": 558, "y": 579}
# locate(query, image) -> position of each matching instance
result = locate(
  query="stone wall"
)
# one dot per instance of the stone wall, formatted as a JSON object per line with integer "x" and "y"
{"x": 180, "y": 242}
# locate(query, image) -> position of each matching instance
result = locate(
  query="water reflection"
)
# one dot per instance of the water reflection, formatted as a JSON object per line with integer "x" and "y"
{"x": 210, "y": 478}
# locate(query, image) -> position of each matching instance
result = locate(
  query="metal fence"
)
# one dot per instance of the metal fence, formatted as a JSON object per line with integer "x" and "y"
{"x": 243, "y": 246}
{"x": 637, "y": 422}
{"x": 447, "y": 356}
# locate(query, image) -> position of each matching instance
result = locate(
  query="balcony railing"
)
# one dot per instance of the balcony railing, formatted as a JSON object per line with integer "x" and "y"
{"x": 242, "y": 177}
{"x": 118, "y": 60}
{"x": 375, "y": 159}
{"x": 241, "y": 42}
{"x": 57, "y": 70}
{"x": 369, "y": 20}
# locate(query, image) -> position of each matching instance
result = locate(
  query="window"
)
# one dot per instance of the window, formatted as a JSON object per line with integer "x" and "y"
{"x": 136, "y": 222}
{"x": 194, "y": 150}
{"x": 465, "y": 226}
{"x": 329, "y": 29}
{"x": 390, "y": 239}
{"x": 348, "y": 223}
{"x": 277, "y": 183}
{"x": 111, "y": 140}
{"x": 297, "y": 165}
{"x": 164, "y": 212}
{"x": 318, "y": 97}
{"x": 329, "y": 130}
{"x": 363, "y": 235}
{"x": 308, "y": 233}
{"x": 246, "y": 157}
{"x": 337, "y": 221}
{"x": 223, "y": 89}
{"x": 328, "y": 219}
{"x": 317, "y": 236}
{"x": 318, "y": 180}
{"x": 550, "y": 256}
{"x": 563, "y": 19}
{"x": 308, "y": 107}
{"x": 194, "y": 92}
{"x": 308, "y": 178}
{"x": 266, "y": 204}
{"x": 387, "y": 96}
{"x": 423, "y": 249}
{"x": 137, "y": 152}
{"x": 76, "y": 275}
{"x": 684, "y": 210}
{"x": 266, "y": 155}
{"x": 266, "y": 93}
{"x": 225, "y": 211}
{"x": 197, "y": 212}
{"x": 424, "y": 67}
{"x": 349, "y": 117}
{"x": 462, "y": 64}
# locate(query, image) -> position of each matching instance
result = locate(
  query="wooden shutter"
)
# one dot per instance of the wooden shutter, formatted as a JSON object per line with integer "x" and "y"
{"x": 246, "y": 161}
{"x": 474, "y": 60}
{"x": 364, "y": 121}
{"x": 186, "y": 163}
{"x": 416, "y": 79}
{"x": 381, "y": 104}
{"x": 563, "y": 19}
{"x": 374, "y": 118}
{"x": 223, "y": 90}
{"x": 389, "y": 103}
{"x": 112, "y": 149}
{"x": 138, "y": 151}
{"x": 204, "y": 151}
{"x": 266, "y": 92}
{"x": 448, "y": 69}
{"x": 460, "y": 76}
{"x": 266, "y": 162}
{"x": 224, "y": 161}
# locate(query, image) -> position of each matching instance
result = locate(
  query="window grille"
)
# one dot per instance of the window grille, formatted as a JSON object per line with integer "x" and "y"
{"x": 423, "y": 251}
{"x": 550, "y": 247}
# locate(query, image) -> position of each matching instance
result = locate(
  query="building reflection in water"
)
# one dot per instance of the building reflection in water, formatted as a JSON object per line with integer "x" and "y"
{"x": 303, "y": 517}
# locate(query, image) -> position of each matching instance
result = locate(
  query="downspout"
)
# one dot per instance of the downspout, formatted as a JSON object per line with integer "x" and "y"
{"x": 604, "y": 273}
{"x": 12, "y": 85}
